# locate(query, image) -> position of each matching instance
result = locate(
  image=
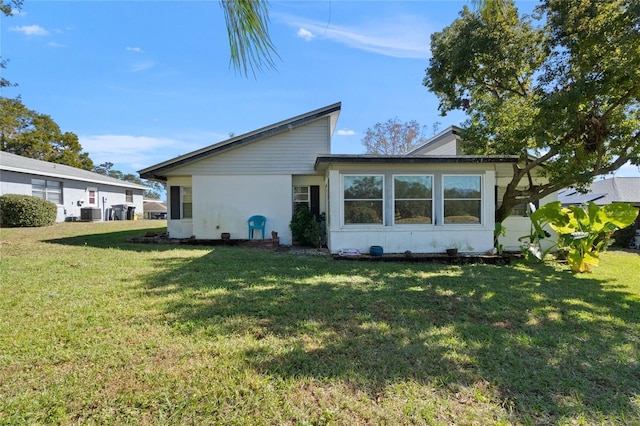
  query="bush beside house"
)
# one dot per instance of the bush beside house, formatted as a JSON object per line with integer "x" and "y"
{"x": 26, "y": 211}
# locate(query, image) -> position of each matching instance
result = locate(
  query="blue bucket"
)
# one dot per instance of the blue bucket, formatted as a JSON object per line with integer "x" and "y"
{"x": 376, "y": 251}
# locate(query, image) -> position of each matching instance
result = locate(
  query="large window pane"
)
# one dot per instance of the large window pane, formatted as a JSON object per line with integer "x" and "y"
{"x": 462, "y": 199}
{"x": 413, "y": 199}
{"x": 363, "y": 200}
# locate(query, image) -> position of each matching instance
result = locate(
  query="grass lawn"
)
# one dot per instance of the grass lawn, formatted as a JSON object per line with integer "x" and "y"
{"x": 94, "y": 330}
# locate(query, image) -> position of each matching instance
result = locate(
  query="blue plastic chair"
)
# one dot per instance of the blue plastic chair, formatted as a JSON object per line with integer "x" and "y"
{"x": 256, "y": 222}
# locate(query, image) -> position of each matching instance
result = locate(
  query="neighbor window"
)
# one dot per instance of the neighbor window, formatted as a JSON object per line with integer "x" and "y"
{"x": 92, "y": 195}
{"x": 462, "y": 199}
{"x": 128, "y": 195}
{"x": 363, "y": 199}
{"x": 50, "y": 190}
{"x": 413, "y": 199}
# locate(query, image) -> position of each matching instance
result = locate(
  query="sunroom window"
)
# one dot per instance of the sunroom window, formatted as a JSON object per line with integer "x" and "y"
{"x": 413, "y": 199}
{"x": 462, "y": 199}
{"x": 363, "y": 199}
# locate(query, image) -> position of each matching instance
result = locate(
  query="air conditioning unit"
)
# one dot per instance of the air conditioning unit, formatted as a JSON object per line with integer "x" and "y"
{"x": 90, "y": 214}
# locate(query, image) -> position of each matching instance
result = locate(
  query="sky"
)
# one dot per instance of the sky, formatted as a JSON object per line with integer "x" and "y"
{"x": 141, "y": 82}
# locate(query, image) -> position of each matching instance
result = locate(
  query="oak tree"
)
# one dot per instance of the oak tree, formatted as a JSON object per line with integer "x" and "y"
{"x": 561, "y": 89}
{"x": 31, "y": 134}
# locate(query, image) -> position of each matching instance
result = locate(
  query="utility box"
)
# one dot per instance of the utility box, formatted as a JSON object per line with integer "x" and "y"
{"x": 90, "y": 214}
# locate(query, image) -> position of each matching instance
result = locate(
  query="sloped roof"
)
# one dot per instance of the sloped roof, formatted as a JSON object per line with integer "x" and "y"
{"x": 605, "y": 191}
{"x": 437, "y": 139}
{"x": 154, "y": 206}
{"x": 156, "y": 172}
{"x": 19, "y": 164}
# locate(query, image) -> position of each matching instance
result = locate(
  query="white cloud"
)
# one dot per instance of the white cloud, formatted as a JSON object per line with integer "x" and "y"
{"x": 54, "y": 44}
{"x": 126, "y": 152}
{"x": 31, "y": 30}
{"x": 305, "y": 34}
{"x": 400, "y": 36}
{"x": 345, "y": 132}
{"x": 134, "y": 49}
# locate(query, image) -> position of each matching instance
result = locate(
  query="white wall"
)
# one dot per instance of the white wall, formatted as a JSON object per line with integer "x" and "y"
{"x": 225, "y": 203}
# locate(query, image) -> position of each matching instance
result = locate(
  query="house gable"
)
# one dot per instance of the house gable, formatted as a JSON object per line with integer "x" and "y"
{"x": 290, "y": 152}
{"x": 328, "y": 115}
{"x": 447, "y": 142}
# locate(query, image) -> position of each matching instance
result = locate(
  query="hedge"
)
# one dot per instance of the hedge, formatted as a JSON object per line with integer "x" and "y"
{"x": 26, "y": 211}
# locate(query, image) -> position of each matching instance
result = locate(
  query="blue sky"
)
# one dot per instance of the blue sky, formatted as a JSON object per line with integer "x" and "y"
{"x": 141, "y": 82}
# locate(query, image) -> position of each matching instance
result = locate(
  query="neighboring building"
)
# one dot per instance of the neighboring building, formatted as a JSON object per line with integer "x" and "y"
{"x": 605, "y": 191}
{"x": 79, "y": 194}
{"x": 429, "y": 200}
{"x": 154, "y": 209}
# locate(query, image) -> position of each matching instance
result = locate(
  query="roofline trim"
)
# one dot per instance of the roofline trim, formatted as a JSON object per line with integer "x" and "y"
{"x": 153, "y": 172}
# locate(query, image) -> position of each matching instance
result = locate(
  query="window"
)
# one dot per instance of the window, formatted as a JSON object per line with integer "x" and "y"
{"x": 128, "y": 195}
{"x": 181, "y": 205}
{"x": 50, "y": 190}
{"x": 363, "y": 199}
{"x": 93, "y": 196}
{"x": 187, "y": 205}
{"x": 413, "y": 199}
{"x": 301, "y": 197}
{"x": 462, "y": 199}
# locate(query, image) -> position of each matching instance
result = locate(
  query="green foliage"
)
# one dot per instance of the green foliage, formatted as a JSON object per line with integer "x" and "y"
{"x": 562, "y": 85}
{"x": 31, "y": 134}
{"x": 305, "y": 229}
{"x": 26, "y": 211}
{"x": 583, "y": 233}
{"x": 248, "y": 29}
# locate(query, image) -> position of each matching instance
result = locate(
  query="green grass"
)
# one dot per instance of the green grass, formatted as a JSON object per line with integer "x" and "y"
{"x": 94, "y": 330}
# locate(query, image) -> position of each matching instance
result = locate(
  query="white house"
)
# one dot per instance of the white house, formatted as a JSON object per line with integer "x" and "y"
{"x": 78, "y": 194}
{"x": 432, "y": 199}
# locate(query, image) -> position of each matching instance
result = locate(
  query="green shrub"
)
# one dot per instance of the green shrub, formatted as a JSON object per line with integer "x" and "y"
{"x": 305, "y": 229}
{"x": 22, "y": 211}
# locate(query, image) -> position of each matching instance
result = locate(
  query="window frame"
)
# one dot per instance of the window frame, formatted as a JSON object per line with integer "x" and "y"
{"x": 480, "y": 199}
{"x": 344, "y": 200}
{"x": 47, "y": 191}
{"x": 186, "y": 192}
{"x": 394, "y": 199}
{"x": 128, "y": 195}
{"x": 295, "y": 203}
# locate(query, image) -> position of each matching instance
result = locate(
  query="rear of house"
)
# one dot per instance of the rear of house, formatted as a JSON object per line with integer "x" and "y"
{"x": 427, "y": 201}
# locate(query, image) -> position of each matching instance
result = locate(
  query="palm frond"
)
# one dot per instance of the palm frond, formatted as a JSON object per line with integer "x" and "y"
{"x": 249, "y": 40}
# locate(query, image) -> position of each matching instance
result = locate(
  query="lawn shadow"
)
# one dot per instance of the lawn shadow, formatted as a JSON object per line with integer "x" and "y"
{"x": 114, "y": 239}
{"x": 551, "y": 345}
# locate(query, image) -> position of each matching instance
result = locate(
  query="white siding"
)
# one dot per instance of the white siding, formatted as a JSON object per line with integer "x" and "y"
{"x": 291, "y": 152}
